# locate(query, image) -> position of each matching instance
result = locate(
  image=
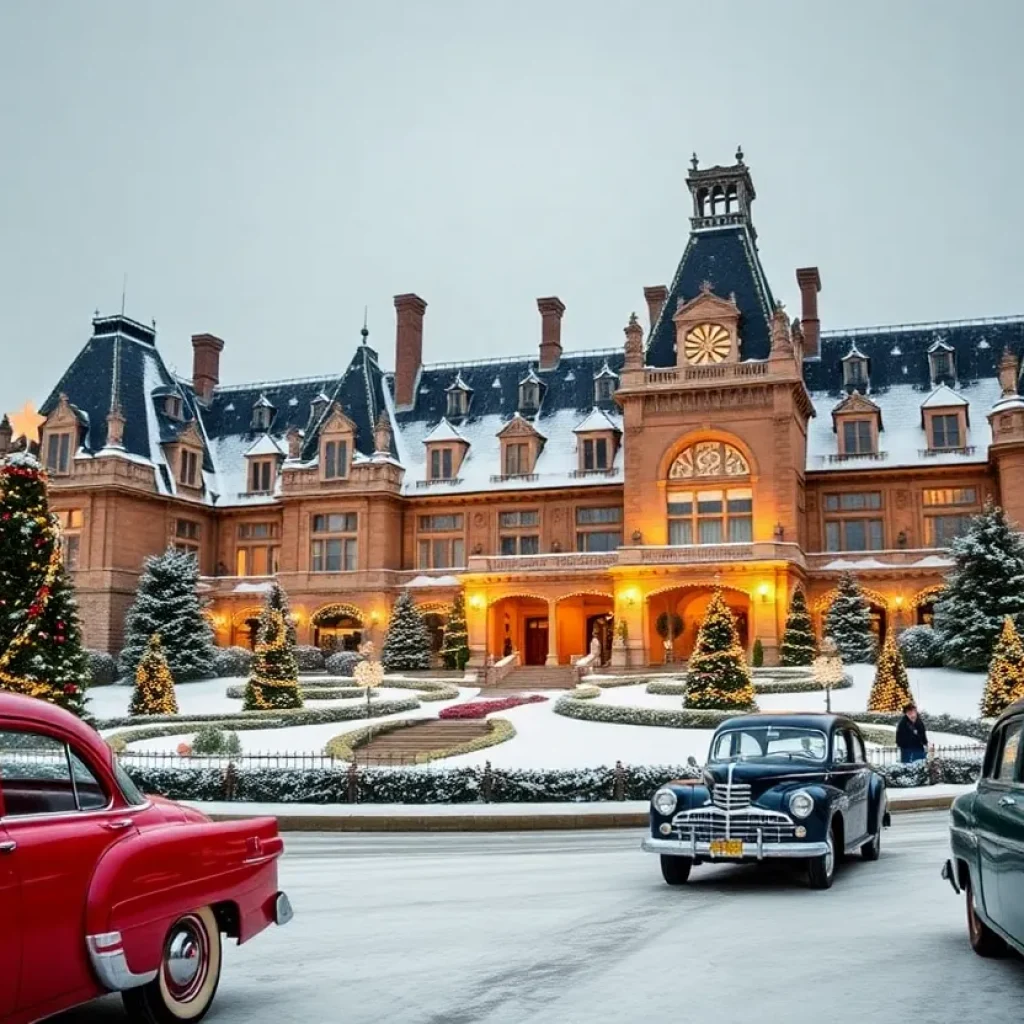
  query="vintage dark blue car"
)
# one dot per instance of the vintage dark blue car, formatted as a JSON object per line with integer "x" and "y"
{"x": 776, "y": 786}
{"x": 987, "y": 841}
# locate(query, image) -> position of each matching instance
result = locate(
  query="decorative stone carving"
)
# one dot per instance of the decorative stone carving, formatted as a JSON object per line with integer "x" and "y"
{"x": 709, "y": 458}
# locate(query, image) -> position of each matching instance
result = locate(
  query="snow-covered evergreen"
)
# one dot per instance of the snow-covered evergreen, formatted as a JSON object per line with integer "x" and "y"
{"x": 986, "y": 585}
{"x": 921, "y": 647}
{"x": 407, "y": 642}
{"x": 848, "y": 622}
{"x": 798, "y": 642}
{"x": 168, "y": 603}
{"x": 455, "y": 644}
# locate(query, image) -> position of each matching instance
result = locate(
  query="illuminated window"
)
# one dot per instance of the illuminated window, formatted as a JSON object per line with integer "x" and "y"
{"x": 711, "y": 517}
{"x": 951, "y": 496}
{"x": 71, "y": 523}
{"x": 257, "y": 554}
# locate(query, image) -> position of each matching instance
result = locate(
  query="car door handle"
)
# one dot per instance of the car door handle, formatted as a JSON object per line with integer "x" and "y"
{"x": 1007, "y": 801}
{"x": 8, "y": 847}
{"x": 118, "y": 826}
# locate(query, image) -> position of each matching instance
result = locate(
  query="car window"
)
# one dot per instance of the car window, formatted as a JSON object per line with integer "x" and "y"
{"x": 769, "y": 742}
{"x": 857, "y": 745}
{"x": 840, "y": 750}
{"x": 40, "y": 775}
{"x": 1006, "y": 767}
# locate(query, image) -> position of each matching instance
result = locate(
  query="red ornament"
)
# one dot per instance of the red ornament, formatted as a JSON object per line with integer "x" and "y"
{"x": 70, "y": 689}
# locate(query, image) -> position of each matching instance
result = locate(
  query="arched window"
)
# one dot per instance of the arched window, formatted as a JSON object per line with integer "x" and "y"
{"x": 710, "y": 500}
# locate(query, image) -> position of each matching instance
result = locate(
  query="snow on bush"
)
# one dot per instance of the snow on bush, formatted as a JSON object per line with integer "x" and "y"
{"x": 343, "y": 663}
{"x": 212, "y": 739}
{"x": 102, "y": 668}
{"x": 232, "y": 661}
{"x": 309, "y": 658}
{"x": 921, "y": 647}
{"x": 483, "y": 708}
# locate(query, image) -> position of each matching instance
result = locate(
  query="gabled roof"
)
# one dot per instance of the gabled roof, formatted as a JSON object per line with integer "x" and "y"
{"x": 597, "y": 420}
{"x": 265, "y": 445}
{"x": 943, "y": 397}
{"x": 854, "y": 353}
{"x": 940, "y": 345}
{"x": 444, "y": 431}
{"x": 531, "y": 377}
{"x": 855, "y": 402}
{"x": 263, "y": 403}
{"x": 458, "y": 384}
{"x": 519, "y": 425}
{"x": 606, "y": 371}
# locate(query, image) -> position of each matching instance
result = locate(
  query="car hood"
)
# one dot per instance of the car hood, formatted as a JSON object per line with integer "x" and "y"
{"x": 761, "y": 775}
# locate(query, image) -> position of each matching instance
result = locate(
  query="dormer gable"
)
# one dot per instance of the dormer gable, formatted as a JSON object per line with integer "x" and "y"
{"x": 597, "y": 442}
{"x": 856, "y": 370}
{"x": 185, "y": 457}
{"x": 606, "y": 380}
{"x": 458, "y": 395}
{"x": 942, "y": 363}
{"x": 446, "y": 448}
{"x": 263, "y": 461}
{"x": 521, "y": 444}
{"x": 857, "y": 421}
{"x": 337, "y": 444}
{"x": 945, "y": 419}
{"x": 531, "y": 393}
{"x": 262, "y": 413}
{"x": 707, "y": 329}
{"x": 60, "y": 437}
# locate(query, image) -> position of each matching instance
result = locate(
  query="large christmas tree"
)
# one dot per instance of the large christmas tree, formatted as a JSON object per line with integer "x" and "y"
{"x": 717, "y": 675}
{"x": 154, "y": 688}
{"x": 168, "y": 603}
{"x": 798, "y": 643}
{"x": 1005, "y": 684}
{"x": 848, "y": 622}
{"x": 407, "y": 641}
{"x": 274, "y": 682}
{"x": 891, "y": 689}
{"x": 455, "y": 643}
{"x": 41, "y": 651}
{"x": 986, "y": 585}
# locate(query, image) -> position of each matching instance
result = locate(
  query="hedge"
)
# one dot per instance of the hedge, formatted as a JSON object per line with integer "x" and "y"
{"x": 346, "y": 746}
{"x": 790, "y": 684}
{"x": 312, "y": 691}
{"x": 974, "y": 728}
{"x": 571, "y": 707}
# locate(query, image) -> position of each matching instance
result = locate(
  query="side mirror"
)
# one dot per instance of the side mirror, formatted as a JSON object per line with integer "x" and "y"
{"x": 692, "y": 761}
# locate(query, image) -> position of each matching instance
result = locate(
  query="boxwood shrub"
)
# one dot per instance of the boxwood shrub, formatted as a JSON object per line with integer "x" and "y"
{"x": 102, "y": 668}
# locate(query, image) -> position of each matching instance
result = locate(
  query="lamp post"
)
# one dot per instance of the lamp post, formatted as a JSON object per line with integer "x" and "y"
{"x": 368, "y": 674}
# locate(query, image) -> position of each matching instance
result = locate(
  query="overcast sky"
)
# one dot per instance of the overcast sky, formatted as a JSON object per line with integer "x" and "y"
{"x": 264, "y": 169}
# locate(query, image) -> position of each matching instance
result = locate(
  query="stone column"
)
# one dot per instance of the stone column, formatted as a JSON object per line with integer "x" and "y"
{"x": 552, "y": 658}
{"x": 478, "y": 625}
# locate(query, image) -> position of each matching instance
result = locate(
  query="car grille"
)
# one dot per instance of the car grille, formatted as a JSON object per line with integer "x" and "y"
{"x": 731, "y": 797}
{"x": 709, "y": 823}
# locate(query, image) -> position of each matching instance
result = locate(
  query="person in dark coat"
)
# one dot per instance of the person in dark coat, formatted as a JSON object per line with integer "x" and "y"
{"x": 911, "y": 737}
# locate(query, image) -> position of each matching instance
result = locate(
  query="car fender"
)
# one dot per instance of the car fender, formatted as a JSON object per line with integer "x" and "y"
{"x": 142, "y": 884}
{"x": 878, "y": 802}
{"x": 689, "y": 794}
{"x": 828, "y": 801}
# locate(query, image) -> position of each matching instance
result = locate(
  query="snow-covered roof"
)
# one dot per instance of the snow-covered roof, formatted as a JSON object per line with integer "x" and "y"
{"x": 597, "y": 419}
{"x": 854, "y": 353}
{"x": 943, "y": 397}
{"x": 458, "y": 384}
{"x": 444, "y": 431}
{"x": 265, "y": 445}
{"x": 263, "y": 403}
{"x": 605, "y": 371}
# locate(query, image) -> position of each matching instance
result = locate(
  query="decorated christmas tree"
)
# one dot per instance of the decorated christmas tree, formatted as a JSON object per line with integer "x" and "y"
{"x": 986, "y": 585}
{"x": 407, "y": 641}
{"x": 274, "y": 682}
{"x": 1005, "y": 684}
{"x": 717, "y": 675}
{"x": 168, "y": 602}
{"x": 798, "y": 643}
{"x": 455, "y": 643}
{"x": 41, "y": 651}
{"x": 891, "y": 689}
{"x": 848, "y": 622}
{"x": 154, "y": 687}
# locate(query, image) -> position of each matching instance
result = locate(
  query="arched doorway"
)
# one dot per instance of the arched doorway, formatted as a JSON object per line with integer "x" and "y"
{"x": 519, "y": 623}
{"x": 245, "y": 627}
{"x": 581, "y": 618}
{"x": 879, "y": 622}
{"x": 924, "y": 606}
{"x": 435, "y": 618}
{"x": 337, "y": 627}
{"x": 674, "y": 617}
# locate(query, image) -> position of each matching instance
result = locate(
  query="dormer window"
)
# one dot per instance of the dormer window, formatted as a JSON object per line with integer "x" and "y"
{"x": 855, "y": 370}
{"x": 945, "y": 431}
{"x": 441, "y": 462}
{"x": 605, "y": 381}
{"x": 596, "y": 455}
{"x": 446, "y": 448}
{"x": 458, "y": 393}
{"x": 521, "y": 445}
{"x": 58, "y": 453}
{"x": 944, "y": 416}
{"x": 188, "y": 468}
{"x": 172, "y": 407}
{"x": 942, "y": 363}
{"x": 262, "y": 414}
{"x": 262, "y": 475}
{"x": 857, "y": 422}
{"x": 858, "y": 437}
{"x": 335, "y": 460}
{"x": 529, "y": 393}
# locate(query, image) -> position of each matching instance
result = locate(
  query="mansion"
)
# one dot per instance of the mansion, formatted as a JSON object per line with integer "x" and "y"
{"x": 570, "y": 494}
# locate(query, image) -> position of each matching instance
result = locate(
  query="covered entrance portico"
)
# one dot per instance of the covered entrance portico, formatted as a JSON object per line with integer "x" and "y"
{"x": 674, "y": 616}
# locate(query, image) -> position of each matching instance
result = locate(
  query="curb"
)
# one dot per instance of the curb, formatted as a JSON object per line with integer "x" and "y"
{"x": 506, "y": 822}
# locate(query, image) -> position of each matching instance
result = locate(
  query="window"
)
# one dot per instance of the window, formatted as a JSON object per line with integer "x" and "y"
{"x": 857, "y": 746}
{"x": 518, "y": 532}
{"x": 595, "y": 453}
{"x": 441, "y": 464}
{"x": 854, "y": 535}
{"x": 71, "y": 522}
{"x": 941, "y": 364}
{"x": 335, "y": 460}
{"x": 855, "y": 373}
{"x": 941, "y": 531}
{"x": 172, "y": 407}
{"x": 261, "y": 416}
{"x": 711, "y": 517}
{"x": 529, "y": 395}
{"x": 1005, "y": 768}
{"x": 440, "y": 552}
{"x": 592, "y": 528}
{"x": 58, "y": 453}
{"x": 604, "y": 389}
{"x": 186, "y": 536}
{"x": 257, "y": 555}
{"x": 856, "y": 501}
{"x": 517, "y": 459}
{"x": 262, "y": 476}
{"x": 840, "y": 749}
{"x": 41, "y": 775}
{"x": 946, "y": 431}
{"x": 951, "y": 496}
{"x": 858, "y": 437}
{"x": 188, "y": 468}
{"x": 458, "y": 402}
{"x": 334, "y": 547}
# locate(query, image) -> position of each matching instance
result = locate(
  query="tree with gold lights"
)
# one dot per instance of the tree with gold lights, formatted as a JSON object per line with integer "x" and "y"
{"x": 891, "y": 688}
{"x": 717, "y": 676}
{"x": 154, "y": 686}
{"x": 1005, "y": 684}
{"x": 41, "y": 652}
{"x": 274, "y": 682}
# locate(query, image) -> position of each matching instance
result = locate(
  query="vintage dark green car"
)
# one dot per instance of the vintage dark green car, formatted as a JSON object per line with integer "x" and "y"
{"x": 987, "y": 840}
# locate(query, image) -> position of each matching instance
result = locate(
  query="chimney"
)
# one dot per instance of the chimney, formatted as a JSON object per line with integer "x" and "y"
{"x": 551, "y": 310}
{"x": 206, "y": 350}
{"x": 409, "y": 310}
{"x": 656, "y": 296}
{"x": 6, "y": 436}
{"x": 810, "y": 284}
{"x": 1008, "y": 370}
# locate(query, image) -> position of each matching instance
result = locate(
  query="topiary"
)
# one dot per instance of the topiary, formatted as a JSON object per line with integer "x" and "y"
{"x": 102, "y": 668}
{"x": 343, "y": 663}
{"x": 921, "y": 647}
{"x": 209, "y": 739}
{"x": 309, "y": 658}
{"x": 232, "y": 661}
{"x": 757, "y": 656}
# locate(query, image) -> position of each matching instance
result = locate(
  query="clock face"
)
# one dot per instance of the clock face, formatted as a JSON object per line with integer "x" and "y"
{"x": 707, "y": 343}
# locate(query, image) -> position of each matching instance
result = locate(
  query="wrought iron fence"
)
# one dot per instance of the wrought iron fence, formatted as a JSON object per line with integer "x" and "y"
{"x": 885, "y": 756}
{"x": 294, "y": 759}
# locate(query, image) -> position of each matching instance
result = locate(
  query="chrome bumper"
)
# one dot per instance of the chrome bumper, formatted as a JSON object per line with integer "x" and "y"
{"x": 751, "y": 851}
{"x": 283, "y": 912}
{"x": 106, "y": 952}
{"x": 949, "y": 874}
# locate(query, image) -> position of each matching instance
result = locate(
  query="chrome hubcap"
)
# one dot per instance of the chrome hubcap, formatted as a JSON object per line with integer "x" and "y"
{"x": 185, "y": 959}
{"x": 830, "y": 857}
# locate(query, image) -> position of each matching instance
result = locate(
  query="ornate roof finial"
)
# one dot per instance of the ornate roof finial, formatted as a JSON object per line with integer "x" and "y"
{"x": 365, "y": 332}
{"x": 633, "y": 319}
{"x": 694, "y": 162}
{"x": 739, "y": 155}
{"x": 705, "y": 287}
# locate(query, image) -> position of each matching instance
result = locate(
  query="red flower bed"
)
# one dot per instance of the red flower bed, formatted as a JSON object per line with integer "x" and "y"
{"x": 483, "y": 708}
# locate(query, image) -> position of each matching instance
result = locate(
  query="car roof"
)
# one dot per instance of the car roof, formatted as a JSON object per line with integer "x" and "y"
{"x": 795, "y": 719}
{"x": 1011, "y": 711}
{"x": 30, "y": 711}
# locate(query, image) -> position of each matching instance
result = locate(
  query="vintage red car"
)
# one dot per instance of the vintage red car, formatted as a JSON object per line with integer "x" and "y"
{"x": 105, "y": 890}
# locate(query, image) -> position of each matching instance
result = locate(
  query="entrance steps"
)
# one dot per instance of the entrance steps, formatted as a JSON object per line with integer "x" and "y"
{"x": 403, "y": 745}
{"x": 538, "y": 677}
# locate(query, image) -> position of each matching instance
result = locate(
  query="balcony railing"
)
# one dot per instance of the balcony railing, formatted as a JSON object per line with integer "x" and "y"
{"x": 450, "y": 481}
{"x": 890, "y": 559}
{"x": 968, "y": 449}
{"x": 593, "y": 472}
{"x": 554, "y": 561}
{"x": 698, "y": 554}
{"x": 500, "y": 478}
{"x": 854, "y": 456}
{"x": 676, "y": 375}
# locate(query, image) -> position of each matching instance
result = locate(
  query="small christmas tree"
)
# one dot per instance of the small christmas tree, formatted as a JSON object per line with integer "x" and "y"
{"x": 41, "y": 651}
{"x": 891, "y": 689}
{"x": 717, "y": 675}
{"x": 407, "y": 641}
{"x": 986, "y": 585}
{"x": 455, "y": 642}
{"x": 274, "y": 682}
{"x": 798, "y": 643}
{"x": 154, "y": 687}
{"x": 848, "y": 622}
{"x": 168, "y": 603}
{"x": 1005, "y": 685}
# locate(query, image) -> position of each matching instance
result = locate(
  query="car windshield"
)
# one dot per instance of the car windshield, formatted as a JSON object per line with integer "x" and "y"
{"x": 769, "y": 743}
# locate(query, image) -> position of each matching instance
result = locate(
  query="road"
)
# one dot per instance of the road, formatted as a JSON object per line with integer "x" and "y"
{"x": 578, "y": 928}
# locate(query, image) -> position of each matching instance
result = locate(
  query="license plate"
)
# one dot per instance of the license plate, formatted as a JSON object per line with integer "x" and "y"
{"x": 726, "y": 847}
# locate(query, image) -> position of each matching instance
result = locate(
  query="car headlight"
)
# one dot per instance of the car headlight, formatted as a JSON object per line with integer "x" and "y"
{"x": 664, "y": 801}
{"x": 801, "y": 803}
